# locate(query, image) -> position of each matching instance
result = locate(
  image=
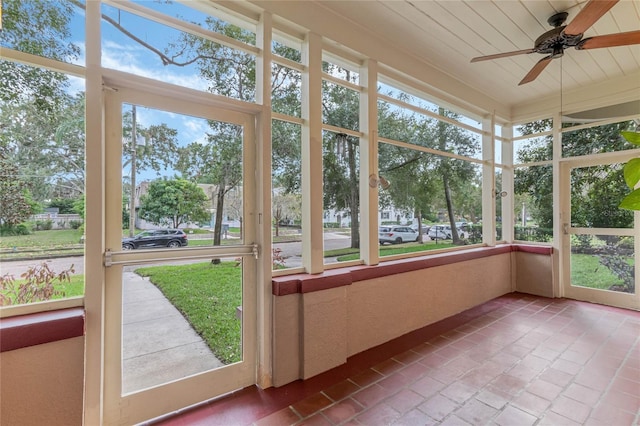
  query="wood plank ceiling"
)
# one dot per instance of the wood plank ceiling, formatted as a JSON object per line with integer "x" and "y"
{"x": 447, "y": 34}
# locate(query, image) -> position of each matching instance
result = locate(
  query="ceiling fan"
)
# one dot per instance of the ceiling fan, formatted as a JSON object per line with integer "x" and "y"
{"x": 561, "y": 37}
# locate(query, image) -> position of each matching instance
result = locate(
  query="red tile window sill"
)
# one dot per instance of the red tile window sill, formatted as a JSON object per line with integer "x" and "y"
{"x": 306, "y": 283}
{"x": 43, "y": 327}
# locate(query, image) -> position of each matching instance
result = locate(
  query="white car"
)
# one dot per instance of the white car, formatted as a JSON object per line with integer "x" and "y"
{"x": 396, "y": 234}
{"x": 443, "y": 232}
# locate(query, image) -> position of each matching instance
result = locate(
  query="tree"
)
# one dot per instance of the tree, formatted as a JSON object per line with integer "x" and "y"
{"x": 173, "y": 203}
{"x": 590, "y": 186}
{"x": 218, "y": 162}
{"x": 14, "y": 194}
{"x": 145, "y": 148}
{"x": 340, "y": 159}
{"x": 48, "y": 148}
{"x": 286, "y": 206}
{"x": 38, "y": 27}
{"x": 418, "y": 177}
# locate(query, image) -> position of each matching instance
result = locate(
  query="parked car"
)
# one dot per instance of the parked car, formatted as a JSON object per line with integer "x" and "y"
{"x": 396, "y": 234}
{"x": 171, "y": 238}
{"x": 443, "y": 232}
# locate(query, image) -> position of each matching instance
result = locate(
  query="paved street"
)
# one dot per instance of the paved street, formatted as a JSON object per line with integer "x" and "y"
{"x": 290, "y": 250}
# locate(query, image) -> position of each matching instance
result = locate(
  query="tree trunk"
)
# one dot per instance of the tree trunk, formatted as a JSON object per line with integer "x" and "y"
{"x": 452, "y": 219}
{"x": 418, "y": 215}
{"x": 217, "y": 227}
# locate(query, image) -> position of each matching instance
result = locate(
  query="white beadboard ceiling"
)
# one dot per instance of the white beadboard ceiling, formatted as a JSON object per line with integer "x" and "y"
{"x": 447, "y": 34}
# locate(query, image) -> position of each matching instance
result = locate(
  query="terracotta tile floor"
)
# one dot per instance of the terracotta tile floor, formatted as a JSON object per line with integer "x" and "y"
{"x": 517, "y": 360}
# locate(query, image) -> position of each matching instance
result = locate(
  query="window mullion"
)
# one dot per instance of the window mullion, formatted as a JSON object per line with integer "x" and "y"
{"x": 508, "y": 186}
{"x": 312, "y": 208}
{"x": 488, "y": 182}
{"x": 369, "y": 163}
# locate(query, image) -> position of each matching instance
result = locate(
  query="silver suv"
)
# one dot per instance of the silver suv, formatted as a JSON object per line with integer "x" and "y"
{"x": 396, "y": 234}
{"x": 443, "y": 232}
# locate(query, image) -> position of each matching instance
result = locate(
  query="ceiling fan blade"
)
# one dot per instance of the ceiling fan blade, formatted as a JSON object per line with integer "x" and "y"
{"x": 536, "y": 70}
{"x": 501, "y": 55}
{"x": 588, "y": 16}
{"x": 610, "y": 40}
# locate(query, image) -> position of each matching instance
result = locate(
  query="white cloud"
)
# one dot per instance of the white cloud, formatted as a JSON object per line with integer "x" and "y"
{"x": 137, "y": 60}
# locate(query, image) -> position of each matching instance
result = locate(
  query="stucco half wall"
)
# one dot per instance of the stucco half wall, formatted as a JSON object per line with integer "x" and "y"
{"x": 384, "y": 308}
{"x": 42, "y": 384}
{"x": 344, "y": 312}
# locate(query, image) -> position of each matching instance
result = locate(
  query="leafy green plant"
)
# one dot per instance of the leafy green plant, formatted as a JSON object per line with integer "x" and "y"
{"x": 632, "y": 175}
{"x": 37, "y": 285}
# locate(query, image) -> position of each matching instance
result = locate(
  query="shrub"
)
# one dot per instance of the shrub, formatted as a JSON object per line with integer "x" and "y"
{"x": 277, "y": 259}
{"x": 36, "y": 285}
{"x": 75, "y": 224}
{"x": 44, "y": 225}
{"x": 10, "y": 231}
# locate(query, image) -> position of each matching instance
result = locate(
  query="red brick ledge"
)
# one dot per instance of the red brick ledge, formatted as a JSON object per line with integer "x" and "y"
{"x": 306, "y": 283}
{"x": 39, "y": 328}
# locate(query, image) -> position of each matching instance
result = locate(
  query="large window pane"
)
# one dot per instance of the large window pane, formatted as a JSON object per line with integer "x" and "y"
{"x": 179, "y": 320}
{"x": 429, "y": 192}
{"x": 341, "y": 168}
{"x": 42, "y": 188}
{"x": 604, "y": 262}
{"x": 533, "y": 149}
{"x": 286, "y": 197}
{"x": 286, "y": 90}
{"x": 52, "y": 29}
{"x": 166, "y": 54}
{"x": 534, "y": 203}
{"x": 186, "y": 173}
{"x": 595, "y": 194}
{"x": 597, "y": 139}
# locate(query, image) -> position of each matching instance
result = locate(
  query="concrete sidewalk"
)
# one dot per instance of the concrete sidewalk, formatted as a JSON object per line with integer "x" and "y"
{"x": 159, "y": 344}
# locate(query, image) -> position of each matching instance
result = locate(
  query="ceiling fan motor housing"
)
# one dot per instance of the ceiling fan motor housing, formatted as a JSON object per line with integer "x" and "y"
{"x": 555, "y": 41}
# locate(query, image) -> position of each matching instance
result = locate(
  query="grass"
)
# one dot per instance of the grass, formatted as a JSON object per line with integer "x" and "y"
{"x": 587, "y": 271}
{"x": 74, "y": 287}
{"x": 347, "y": 254}
{"x": 53, "y": 239}
{"x": 207, "y": 295}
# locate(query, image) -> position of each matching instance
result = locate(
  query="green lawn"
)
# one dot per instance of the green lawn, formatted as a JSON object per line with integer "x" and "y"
{"x": 347, "y": 254}
{"x": 587, "y": 271}
{"x": 208, "y": 296}
{"x": 50, "y": 239}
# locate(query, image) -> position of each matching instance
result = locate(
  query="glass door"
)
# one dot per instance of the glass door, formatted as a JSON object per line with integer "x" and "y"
{"x": 180, "y": 261}
{"x": 599, "y": 241}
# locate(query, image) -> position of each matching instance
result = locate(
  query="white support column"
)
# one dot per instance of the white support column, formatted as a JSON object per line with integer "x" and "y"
{"x": 94, "y": 299}
{"x": 369, "y": 163}
{"x": 312, "y": 207}
{"x": 263, "y": 199}
{"x": 560, "y": 217}
{"x": 508, "y": 186}
{"x": 488, "y": 182}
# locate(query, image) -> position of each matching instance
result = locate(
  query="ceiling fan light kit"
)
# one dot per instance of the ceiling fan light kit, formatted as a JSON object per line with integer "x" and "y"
{"x": 554, "y": 42}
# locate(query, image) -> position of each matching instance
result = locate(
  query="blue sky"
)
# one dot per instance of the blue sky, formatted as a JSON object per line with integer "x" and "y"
{"x": 122, "y": 53}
